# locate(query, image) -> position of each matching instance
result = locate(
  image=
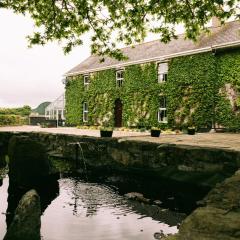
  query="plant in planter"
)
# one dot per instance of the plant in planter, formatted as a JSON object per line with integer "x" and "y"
{"x": 106, "y": 131}
{"x": 155, "y": 132}
{"x": 191, "y": 130}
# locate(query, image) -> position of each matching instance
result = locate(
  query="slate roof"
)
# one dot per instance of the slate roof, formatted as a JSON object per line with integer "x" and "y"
{"x": 156, "y": 50}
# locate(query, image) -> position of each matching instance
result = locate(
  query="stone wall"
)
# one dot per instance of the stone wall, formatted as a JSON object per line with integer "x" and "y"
{"x": 196, "y": 165}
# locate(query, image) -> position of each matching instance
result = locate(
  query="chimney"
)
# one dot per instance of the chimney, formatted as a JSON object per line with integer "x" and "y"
{"x": 216, "y": 22}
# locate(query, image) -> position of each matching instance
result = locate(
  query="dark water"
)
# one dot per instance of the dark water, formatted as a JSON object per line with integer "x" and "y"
{"x": 88, "y": 210}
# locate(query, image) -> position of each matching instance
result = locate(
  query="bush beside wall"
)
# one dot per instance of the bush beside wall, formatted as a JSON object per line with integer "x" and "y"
{"x": 9, "y": 120}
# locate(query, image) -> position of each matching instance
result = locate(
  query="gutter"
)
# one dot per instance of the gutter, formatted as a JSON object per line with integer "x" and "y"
{"x": 159, "y": 59}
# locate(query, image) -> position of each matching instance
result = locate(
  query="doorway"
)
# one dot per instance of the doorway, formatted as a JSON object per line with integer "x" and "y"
{"x": 118, "y": 113}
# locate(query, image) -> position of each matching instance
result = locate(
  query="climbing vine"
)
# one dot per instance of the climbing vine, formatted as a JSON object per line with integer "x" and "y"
{"x": 191, "y": 90}
{"x": 228, "y": 104}
{"x": 198, "y": 93}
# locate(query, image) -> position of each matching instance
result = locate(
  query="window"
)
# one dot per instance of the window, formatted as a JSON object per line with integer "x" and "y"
{"x": 85, "y": 112}
{"x": 86, "y": 81}
{"x": 162, "y": 72}
{"x": 162, "y": 112}
{"x": 119, "y": 78}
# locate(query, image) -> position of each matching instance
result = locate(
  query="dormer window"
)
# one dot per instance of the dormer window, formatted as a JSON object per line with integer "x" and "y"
{"x": 86, "y": 81}
{"x": 119, "y": 77}
{"x": 162, "y": 72}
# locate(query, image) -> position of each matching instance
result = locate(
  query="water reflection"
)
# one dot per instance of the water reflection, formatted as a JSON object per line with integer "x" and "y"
{"x": 95, "y": 211}
{"x": 74, "y": 209}
{"x": 3, "y": 206}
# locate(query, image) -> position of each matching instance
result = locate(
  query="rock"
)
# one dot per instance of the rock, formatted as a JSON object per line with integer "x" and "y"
{"x": 137, "y": 196}
{"x": 157, "y": 202}
{"x": 26, "y": 222}
{"x": 219, "y": 216}
{"x": 28, "y": 162}
{"x": 210, "y": 223}
{"x": 133, "y": 195}
{"x": 158, "y": 235}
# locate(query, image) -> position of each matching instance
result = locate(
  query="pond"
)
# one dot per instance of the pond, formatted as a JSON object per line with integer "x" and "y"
{"x": 73, "y": 209}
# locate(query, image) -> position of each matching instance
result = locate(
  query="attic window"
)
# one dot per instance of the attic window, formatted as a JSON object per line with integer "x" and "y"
{"x": 119, "y": 78}
{"x": 86, "y": 81}
{"x": 162, "y": 72}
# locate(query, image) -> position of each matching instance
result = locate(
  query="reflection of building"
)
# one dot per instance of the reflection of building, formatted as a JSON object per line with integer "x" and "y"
{"x": 56, "y": 109}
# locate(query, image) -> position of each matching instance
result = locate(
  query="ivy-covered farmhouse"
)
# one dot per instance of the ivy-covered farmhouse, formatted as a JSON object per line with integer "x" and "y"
{"x": 173, "y": 85}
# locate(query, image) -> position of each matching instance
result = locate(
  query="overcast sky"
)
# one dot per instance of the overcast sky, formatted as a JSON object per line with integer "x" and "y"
{"x": 31, "y": 76}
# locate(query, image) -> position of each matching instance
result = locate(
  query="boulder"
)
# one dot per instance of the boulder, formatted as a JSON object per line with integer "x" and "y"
{"x": 218, "y": 218}
{"x": 26, "y": 222}
{"x": 137, "y": 196}
{"x": 28, "y": 162}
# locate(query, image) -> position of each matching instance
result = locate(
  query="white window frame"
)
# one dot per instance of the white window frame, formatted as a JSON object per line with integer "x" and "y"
{"x": 162, "y": 109}
{"x": 119, "y": 80}
{"x": 85, "y": 112}
{"x": 86, "y": 81}
{"x": 162, "y": 74}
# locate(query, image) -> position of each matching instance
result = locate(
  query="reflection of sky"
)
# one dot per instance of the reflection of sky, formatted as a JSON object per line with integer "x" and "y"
{"x": 3, "y": 207}
{"x": 88, "y": 211}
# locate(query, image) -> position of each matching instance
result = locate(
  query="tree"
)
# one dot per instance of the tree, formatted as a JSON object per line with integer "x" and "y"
{"x": 118, "y": 21}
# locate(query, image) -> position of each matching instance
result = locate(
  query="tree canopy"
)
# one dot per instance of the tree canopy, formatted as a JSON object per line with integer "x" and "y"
{"x": 118, "y": 21}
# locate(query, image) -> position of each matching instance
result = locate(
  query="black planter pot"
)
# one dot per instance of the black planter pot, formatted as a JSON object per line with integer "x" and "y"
{"x": 155, "y": 133}
{"x": 104, "y": 133}
{"x": 191, "y": 131}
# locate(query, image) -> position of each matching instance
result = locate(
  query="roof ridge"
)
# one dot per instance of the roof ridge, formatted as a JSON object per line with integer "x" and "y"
{"x": 178, "y": 35}
{"x": 155, "y": 48}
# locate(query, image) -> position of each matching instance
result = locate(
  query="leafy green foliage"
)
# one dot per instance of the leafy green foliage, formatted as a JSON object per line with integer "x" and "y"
{"x": 228, "y": 112}
{"x": 23, "y": 111}
{"x": 195, "y": 90}
{"x": 14, "y": 116}
{"x": 114, "y": 21}
{"x": 138, "y": 95}
{"x": 9, "y": 120}
{"x": 191, "y": 90}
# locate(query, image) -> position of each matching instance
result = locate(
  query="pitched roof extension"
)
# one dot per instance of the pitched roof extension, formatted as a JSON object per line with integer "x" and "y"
{"x": 227, "y": 35}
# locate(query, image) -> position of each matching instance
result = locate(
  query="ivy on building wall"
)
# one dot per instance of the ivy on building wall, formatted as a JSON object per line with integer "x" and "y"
{"x": 228, "y": 104}
{"x": 191, "y": 90}
{"x": 139, "y": 96}
{"x": 201, "y": 90}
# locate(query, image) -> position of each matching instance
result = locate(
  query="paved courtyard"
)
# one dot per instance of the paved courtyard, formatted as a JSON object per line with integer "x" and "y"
{"x": 214, "y": 140}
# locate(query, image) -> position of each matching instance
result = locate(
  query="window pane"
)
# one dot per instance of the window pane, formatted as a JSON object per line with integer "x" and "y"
{"x": 163, "y": 103}
{"x": 85, "y": 116}
{"x": 86, "y": 79}
{"x": 119, "y": 78}
{"x": 162, "y": 67}
{"x": 85, "y": 107}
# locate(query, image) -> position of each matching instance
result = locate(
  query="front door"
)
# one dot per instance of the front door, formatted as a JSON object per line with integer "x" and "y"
{"x": 118, "y": 113}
